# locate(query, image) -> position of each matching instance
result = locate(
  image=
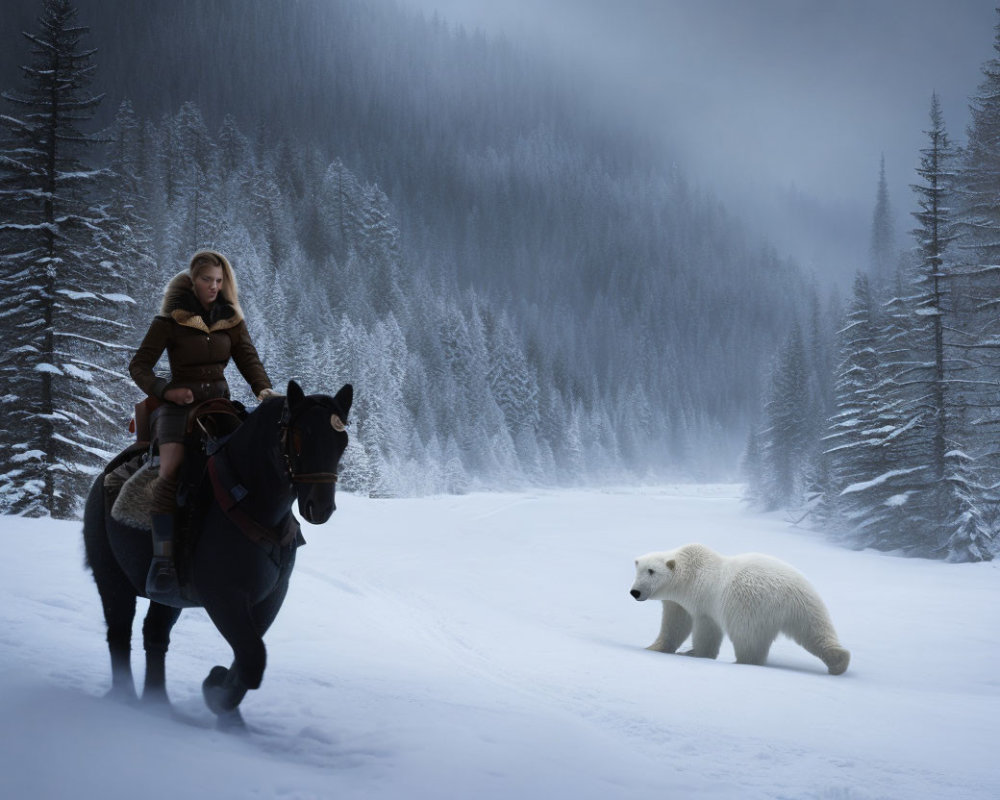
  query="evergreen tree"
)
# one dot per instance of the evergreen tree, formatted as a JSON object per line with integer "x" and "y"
{"x": 60, "y": 298}
{"x": 130, "y": 245}
{"x": 789, "y": 424}
{"x": 342, "y": 204}
{"x": 934, "y": 235}
{"x": 512, "y": 382}
{"x": 969, "y": 525}
{"x": 883, "y": 236}
{"x": 379, "y": 249}
{"x": 941, "y": 512}
{"x": 978, "y": 177}
{"x": 859, "y": 467}
{"x": 974, "y": 285}
{"x": 195, "y": 190}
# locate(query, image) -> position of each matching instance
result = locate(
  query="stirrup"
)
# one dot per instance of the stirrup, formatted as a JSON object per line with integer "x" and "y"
{"x": 161, "y": 582}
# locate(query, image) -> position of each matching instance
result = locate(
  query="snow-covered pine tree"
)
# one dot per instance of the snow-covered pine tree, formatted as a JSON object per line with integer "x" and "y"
{"x": 975, "y": 289}
{"x": 968, "y": 532}
{"x": 512, "y": 381}
{"x": 379, "y": 250}
{"x": 882, "y": 248}
{"x": 195, "y": 213}
{"x": 900, "y": 427}
{"x": 60, "y": 296}
{"x": 387, "y": 429}
{"x": 787, "y": 436}
{"x": 946, "y": 516}
{"x": 341, "y": 203}
{"x": 235, "y": 168}
{"x": 131, "y": 246}
{"x": 821, "y": 347}
{"x": 863, "y": 495}
{"x": 272, "y": 215}
{"x": 934, "y": 235}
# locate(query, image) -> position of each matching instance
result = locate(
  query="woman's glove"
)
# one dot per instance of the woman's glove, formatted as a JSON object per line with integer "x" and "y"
{"x": 265, "y": 394}
{"x": 181, "y": 396}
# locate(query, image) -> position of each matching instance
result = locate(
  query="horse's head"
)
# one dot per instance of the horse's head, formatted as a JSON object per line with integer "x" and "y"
{"x": 313, "y": 440}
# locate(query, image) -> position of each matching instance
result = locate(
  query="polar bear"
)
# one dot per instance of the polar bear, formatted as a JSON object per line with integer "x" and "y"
{"x": 750, "y": 597}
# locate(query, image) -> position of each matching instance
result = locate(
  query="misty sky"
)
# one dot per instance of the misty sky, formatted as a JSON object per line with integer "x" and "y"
{"x": 765, "y": 95}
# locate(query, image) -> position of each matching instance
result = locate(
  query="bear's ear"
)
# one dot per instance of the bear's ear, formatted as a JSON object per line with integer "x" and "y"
{"x": 671, "y": 565}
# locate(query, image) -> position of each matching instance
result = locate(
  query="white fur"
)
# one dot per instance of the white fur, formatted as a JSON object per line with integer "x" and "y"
{"x": 751, "y": 598}
{"x": 135, "y": 498}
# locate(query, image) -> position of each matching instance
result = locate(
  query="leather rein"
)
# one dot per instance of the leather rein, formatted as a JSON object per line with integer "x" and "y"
{"x": 291, "y": 449}
{"x": 229, "y": 491}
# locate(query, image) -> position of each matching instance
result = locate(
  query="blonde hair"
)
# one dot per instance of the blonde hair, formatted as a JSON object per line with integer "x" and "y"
{"x": 212, "y": 258}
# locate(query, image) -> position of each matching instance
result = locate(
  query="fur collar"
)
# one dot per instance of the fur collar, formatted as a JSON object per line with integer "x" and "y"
{"x": 181, "y": 305}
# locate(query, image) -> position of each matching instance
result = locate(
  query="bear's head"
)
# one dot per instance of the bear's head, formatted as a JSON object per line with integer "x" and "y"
{"x": 654, "y": 573}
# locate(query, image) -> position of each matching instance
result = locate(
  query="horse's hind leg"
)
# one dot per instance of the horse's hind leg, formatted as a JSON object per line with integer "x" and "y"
{"x": 117, "y": 595}
{"x": 119, "y": 612}
{"x": 156, "y": 640}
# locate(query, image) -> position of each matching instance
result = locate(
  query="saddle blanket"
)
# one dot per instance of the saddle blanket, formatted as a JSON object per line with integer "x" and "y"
{"x": 132, "y": 505}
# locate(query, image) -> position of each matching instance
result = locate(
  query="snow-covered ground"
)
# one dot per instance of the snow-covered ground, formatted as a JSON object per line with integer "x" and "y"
{"x": 486, "y": 646}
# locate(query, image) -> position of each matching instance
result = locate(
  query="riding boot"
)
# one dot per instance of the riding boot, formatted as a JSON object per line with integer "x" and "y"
{"x": 161, "y": 582}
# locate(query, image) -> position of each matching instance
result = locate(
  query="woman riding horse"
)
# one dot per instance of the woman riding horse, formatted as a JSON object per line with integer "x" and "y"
{"x": 201, "y": 327}
{"x": 287, "y": 452}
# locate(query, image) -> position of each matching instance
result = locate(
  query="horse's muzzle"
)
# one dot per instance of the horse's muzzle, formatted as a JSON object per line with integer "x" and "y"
{"x": 316, "y": 509}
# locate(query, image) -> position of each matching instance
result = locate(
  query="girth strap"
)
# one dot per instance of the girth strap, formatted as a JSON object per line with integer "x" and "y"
{"x": 229, "y": 492}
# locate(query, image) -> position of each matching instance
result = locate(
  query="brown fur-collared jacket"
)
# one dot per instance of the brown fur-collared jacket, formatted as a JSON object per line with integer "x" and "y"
{"x": 199, "y": 344}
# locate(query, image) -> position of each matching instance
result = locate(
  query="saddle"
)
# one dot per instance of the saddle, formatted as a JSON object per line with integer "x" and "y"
{"x": 214, "y": 418}
{"x": 206, "y": 473}
{"x": 214, "y": 421}
{"x": 128, "y": 478}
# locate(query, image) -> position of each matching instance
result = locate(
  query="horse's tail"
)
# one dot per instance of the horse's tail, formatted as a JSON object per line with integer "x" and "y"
{"x": 94, "y": 524}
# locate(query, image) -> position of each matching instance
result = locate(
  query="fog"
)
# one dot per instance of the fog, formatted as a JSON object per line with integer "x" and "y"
{"x": 783, "y": 107}
{"x": 456, "y": 229}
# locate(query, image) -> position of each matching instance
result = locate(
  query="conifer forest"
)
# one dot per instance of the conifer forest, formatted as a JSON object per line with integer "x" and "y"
{"x": 520, "y": 291}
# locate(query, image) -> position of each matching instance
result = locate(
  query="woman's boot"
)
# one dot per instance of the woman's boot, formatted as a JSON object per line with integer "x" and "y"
{"x": 161, "y": 582}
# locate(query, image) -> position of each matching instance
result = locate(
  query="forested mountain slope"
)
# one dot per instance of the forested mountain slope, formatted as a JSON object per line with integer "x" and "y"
{"x": 453, "y": 225}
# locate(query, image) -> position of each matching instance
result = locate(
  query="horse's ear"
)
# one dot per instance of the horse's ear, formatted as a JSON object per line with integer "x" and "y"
{"x": 294, "y": 394}
{"x": 344, "y": 399}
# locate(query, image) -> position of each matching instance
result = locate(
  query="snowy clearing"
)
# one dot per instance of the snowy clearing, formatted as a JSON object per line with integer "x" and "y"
{"x": 486, "y": 646}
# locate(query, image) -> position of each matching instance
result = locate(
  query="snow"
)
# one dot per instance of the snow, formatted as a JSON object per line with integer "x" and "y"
{"x": 898, "y": 500}
{"x": 118, "y": 298}
{"x": 76, "y": 295}
{"x": 486, "y": 646}
{"x": 45, "y": 367}
{"x": 885, "y": 476}
{"x": 75, "y": 372}
{"x": 28, "y": 455}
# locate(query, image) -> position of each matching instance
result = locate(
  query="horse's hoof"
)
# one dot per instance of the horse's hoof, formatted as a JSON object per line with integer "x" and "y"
{"x": 155, "y": 699}
{"x": 231, "y": 722}
{"x": 122, "y": 694}
{"x": 216, "y": 676}
{"x": 214, "y": 692}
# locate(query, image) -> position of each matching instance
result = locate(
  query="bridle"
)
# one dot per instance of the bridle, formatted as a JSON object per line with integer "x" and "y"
{"x": 291, "y": 445}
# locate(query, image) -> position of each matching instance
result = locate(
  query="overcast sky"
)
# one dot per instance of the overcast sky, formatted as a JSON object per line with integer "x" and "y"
{"x": 765, "y": 95}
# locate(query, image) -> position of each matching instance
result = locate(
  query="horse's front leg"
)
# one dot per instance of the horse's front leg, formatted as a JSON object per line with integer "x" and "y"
{"x": 223, "y": 692}
{"x": 156, "y": 628}
{"x": 224, "y": 689}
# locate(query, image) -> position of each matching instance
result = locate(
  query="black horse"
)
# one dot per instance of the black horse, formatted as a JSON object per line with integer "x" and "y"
{"x": 288, "y": 448}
